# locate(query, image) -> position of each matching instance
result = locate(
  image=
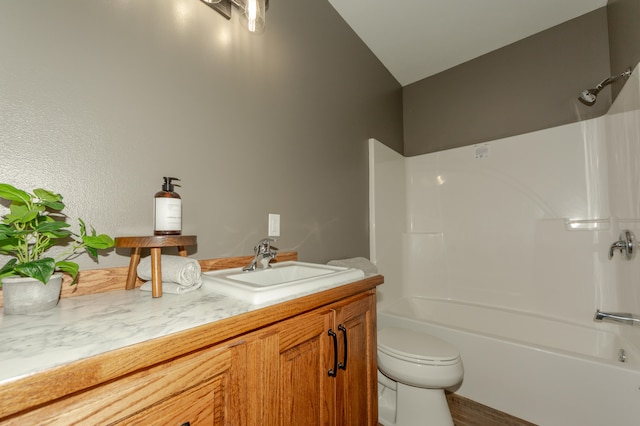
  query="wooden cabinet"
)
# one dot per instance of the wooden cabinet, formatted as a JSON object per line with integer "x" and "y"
{"x": 310, "y": 361}
{"x": 204, "y": 388}
{"x": 320, "y": 367}
{"x": 356, "y": 395}
{"x": 298, "y": 353}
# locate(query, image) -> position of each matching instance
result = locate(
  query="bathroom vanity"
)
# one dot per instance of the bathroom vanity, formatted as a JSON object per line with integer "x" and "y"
{"x": 197, "y": 359}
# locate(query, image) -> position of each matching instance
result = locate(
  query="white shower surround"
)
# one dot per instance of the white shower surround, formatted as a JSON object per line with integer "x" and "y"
{"x": 491, "y": 224}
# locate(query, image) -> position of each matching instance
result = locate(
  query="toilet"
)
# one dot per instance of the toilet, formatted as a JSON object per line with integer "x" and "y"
{"x": 414, "y": 369}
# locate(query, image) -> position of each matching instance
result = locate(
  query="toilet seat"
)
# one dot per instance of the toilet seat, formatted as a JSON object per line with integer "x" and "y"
{"x": 414, "y": 369}
{"x": 412, "y": 346}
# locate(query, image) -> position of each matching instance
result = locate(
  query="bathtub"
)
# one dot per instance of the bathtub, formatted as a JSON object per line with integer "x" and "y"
{"x": 540, "y": 369}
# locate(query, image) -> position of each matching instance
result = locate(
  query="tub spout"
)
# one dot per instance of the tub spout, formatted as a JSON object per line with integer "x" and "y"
{"x": 620, "y": 317}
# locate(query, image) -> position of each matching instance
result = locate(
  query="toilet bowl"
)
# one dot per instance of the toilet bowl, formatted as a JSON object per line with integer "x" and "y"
{"x": 414, "y": 370}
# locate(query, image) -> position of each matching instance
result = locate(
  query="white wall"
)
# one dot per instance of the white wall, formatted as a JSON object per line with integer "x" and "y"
{"x": 523, "y": 222}
{"x": 623, "y": 144}
{"x": 387, "y": 201}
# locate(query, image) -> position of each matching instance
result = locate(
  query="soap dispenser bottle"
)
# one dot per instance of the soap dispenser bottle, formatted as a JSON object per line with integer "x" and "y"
{"x": 167, "y": 210}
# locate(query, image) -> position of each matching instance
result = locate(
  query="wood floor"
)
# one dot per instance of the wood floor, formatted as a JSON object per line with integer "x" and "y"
{"x": 466, "y": 412}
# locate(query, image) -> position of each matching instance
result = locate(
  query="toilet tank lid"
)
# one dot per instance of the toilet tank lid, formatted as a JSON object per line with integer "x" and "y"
{"x": 412, "y": 344}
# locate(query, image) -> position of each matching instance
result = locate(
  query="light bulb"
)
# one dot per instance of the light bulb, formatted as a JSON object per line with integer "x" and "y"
{"x": 254, "y": 13}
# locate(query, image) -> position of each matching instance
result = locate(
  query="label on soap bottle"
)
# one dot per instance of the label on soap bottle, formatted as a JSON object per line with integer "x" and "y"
{"x": 168, "y": 215}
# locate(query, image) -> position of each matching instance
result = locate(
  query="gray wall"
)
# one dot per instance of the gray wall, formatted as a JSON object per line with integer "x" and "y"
{"x": 100, "y": 99}
{"x": 624, "y": 35}
{"x": 529, "y": 85}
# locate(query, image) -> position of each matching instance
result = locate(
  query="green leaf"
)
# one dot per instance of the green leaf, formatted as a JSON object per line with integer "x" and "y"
{"x": 12, "y": 193}
{"x": 8, "y": 267}
{"x": 99, "y": 242}
{"x": 46, "y": 195}
{"x": 40, "y": 270}
{"x": 70, "y": 268}
{"x": 93, "y": 243}
{"x": 7, "y": 270}
{"x": 22, "y": 214}
{"x": 54, "y": 205}
{"x": 6, "y": 231}
{"x": 83, "y": 228}
{"x": 92, "y": 251}
{"x": 49, "y": 199}
{"x": 54, "y": 228}
{"x": 9, "y": 245}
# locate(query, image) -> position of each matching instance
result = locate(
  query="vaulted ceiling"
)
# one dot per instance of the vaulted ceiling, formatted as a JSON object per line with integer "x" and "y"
{"x": 415, "y": 39}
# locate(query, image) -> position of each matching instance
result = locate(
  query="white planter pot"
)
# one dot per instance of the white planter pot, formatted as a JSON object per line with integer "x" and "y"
{"x": 28, "y": 295}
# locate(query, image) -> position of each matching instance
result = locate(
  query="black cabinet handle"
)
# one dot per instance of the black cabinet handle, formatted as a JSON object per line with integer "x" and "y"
{"x": 332, "y": 372}
{"x": 343, "y": 364}
{"x": 186, "y": 424}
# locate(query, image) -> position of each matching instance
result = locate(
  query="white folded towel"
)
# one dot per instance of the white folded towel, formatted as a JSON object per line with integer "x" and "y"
{"x": 357, "y": 263}
{"x": 179, "y": 274}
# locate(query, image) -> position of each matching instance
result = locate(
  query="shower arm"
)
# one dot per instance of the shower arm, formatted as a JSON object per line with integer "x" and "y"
{"x": 611, "y": 79}
{"x": 603, "y": 83}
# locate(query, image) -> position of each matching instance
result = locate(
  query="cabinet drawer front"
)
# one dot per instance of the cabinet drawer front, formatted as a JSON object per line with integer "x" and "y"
{"x": 120, "y": 399}
{"x": 195, "y": 407}
{"x": 294, "y": 331}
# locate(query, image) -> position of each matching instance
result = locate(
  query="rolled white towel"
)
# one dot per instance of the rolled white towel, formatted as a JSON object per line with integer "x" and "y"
{"x": 179, "y": 274}
{"x": 356, "y": 262}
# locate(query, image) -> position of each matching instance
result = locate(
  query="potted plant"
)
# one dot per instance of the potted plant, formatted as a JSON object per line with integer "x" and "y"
{"x": 33, "y": 225}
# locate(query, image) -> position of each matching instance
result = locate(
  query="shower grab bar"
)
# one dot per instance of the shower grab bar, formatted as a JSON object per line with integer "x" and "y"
{"x": 620, "y": 317}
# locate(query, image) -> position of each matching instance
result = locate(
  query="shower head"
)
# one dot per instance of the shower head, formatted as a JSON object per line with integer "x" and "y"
{"x": 589, "y": 96}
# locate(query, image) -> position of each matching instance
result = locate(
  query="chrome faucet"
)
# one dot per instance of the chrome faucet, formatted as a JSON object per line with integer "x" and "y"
{"x": 621, "y": 317}
{"x": 264, "y": 253}
{"x": 626, "y": 244}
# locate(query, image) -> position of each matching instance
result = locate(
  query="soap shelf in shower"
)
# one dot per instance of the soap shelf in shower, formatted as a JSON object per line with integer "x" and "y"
{"x": 587, "y": 224}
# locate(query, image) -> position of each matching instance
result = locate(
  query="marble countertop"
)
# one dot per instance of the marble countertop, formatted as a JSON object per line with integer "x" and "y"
{"x": 85, "y": 326}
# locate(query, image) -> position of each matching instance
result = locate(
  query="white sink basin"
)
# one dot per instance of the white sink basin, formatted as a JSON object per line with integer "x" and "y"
{"x": 283, "y": 279}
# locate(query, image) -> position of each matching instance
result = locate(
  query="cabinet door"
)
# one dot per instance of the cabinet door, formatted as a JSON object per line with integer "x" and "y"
{"x": 357, "y": 380}
{"x": 302, "y": 355}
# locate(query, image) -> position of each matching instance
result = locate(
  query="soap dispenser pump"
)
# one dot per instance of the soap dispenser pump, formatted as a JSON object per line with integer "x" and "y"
{"x": 167, "y": 209}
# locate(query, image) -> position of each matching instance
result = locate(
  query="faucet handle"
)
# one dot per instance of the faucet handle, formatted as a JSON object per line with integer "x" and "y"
{"x": 626, "y": 245}
{"x": 265, "y": 246}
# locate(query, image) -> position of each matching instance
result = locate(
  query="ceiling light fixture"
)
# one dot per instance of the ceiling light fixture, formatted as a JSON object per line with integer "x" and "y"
{"x": 253, "y": 11}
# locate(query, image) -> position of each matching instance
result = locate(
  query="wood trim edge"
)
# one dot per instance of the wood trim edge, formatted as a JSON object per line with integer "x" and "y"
{"x": 93, "y": 281}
